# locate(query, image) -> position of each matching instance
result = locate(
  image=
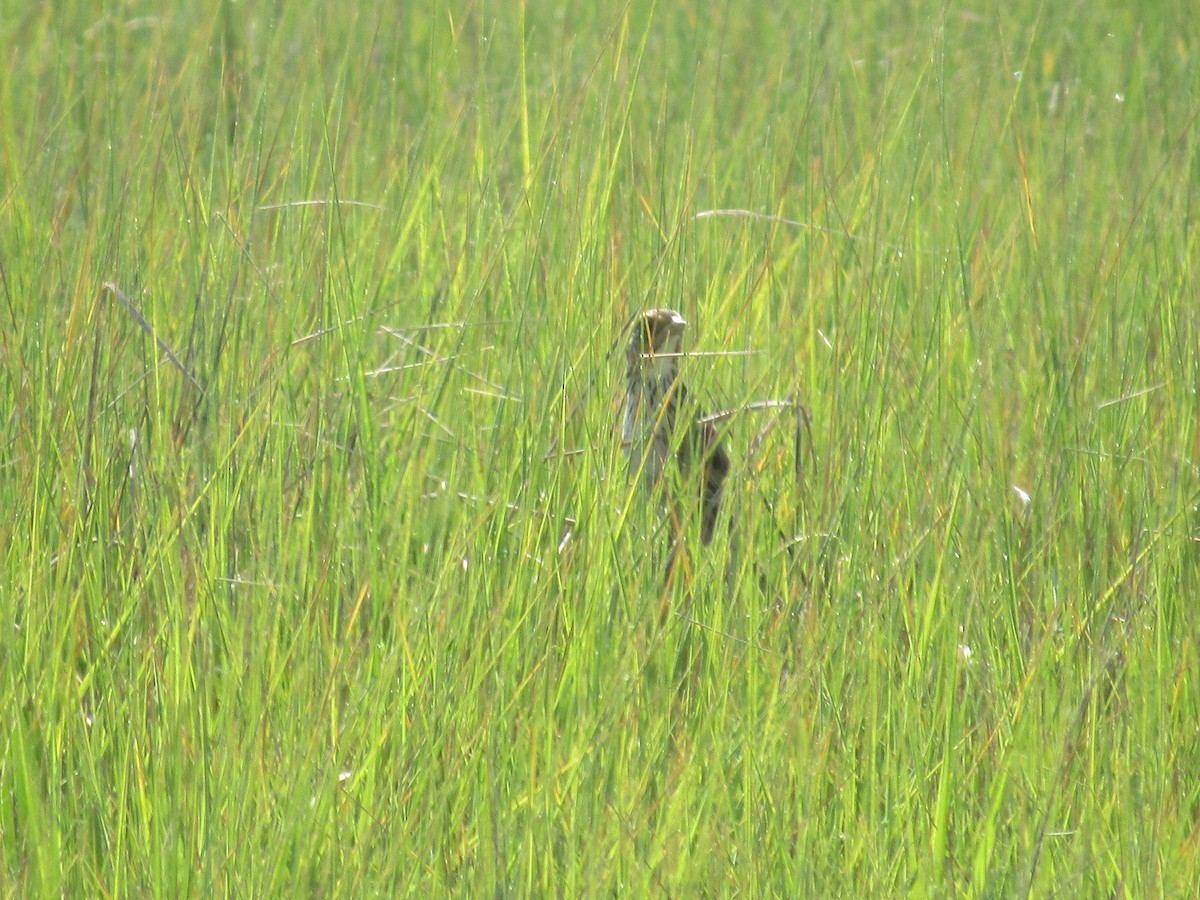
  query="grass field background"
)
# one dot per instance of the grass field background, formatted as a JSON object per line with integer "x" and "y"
{"x": 323, "y": 574}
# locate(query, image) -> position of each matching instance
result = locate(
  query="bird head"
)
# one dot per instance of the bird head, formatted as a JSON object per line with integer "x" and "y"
{"x": 657, "y": 332}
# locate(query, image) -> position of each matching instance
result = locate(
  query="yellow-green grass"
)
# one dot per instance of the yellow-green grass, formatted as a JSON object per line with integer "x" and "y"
{"x": 323, "y": 575}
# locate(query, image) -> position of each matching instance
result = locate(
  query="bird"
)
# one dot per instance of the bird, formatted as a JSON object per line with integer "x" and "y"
{"x": 658, "y": 423}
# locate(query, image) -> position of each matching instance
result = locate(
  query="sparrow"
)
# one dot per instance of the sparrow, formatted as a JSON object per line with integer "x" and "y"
{"x": 658, "y": 424}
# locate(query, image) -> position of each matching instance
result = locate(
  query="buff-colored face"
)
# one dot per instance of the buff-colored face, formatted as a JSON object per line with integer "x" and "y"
{"x": 658, "y": 332}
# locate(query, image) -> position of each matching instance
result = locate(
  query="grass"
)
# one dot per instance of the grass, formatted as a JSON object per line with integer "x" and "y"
{"x": 353, "y": 596}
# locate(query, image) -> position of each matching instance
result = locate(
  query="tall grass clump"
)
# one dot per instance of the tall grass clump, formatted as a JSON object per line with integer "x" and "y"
{"x": 323, "y": 574}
